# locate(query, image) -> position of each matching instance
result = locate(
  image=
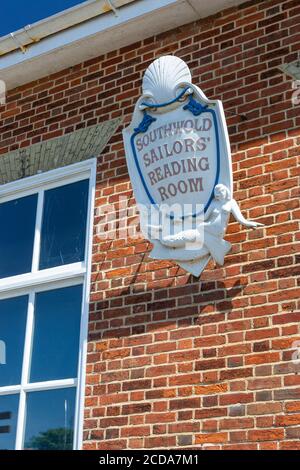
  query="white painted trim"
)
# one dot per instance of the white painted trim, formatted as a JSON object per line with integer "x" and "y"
{"x": 40, "y": 278}
{"x": 25, "y": 372}
{"x": 89, "y": 38}
{"x": 79, "y": 417}
{"x": 10, "y": 390}
{"x": 58, "y": 277}
{"x": 55, "y": 23}
{"x": 101, "y": 34}
{"x": 52, "y": 284}
{"x": 37, "y": 235}
{"x": 85, "y": 29}
{"x": 50, "y": 179}
{"x": 31, "y": 185}
{"x": 38, "y": 386}
{"x": 50, "y": 385}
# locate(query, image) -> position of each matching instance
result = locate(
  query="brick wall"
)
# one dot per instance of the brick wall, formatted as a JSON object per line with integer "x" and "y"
{"x": 174, "y": 361}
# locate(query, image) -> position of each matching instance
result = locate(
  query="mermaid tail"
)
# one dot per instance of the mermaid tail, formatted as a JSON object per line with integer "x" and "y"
{"x": 195, "y": 267}
{"x": 181, "y": 239}
{"x": 218, "y": 247}
{"x": 177, "y": 240}
{"x": 190, "y": 244}
{"x": 160, "y": 251}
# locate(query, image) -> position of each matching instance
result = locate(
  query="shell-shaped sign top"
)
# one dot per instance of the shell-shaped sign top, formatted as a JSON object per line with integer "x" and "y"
{"x": 179, "y": 162}
{"x": 163, "y": 76}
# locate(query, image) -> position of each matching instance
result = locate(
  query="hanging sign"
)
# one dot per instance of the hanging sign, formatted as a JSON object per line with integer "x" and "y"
{"x": 179, "y": 162}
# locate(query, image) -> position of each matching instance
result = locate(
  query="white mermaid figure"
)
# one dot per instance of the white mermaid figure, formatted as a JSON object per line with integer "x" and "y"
{"x": 206, "y": 239}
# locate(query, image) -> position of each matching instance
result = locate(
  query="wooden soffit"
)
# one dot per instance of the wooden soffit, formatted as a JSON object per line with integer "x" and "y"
{"x": 56, "y": 153}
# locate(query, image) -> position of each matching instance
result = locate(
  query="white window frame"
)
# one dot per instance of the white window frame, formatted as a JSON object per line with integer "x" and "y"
{"x": 49, "y": 279}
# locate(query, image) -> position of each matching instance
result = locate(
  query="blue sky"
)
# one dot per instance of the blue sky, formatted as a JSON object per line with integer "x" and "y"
{"x": 18, "y": 13}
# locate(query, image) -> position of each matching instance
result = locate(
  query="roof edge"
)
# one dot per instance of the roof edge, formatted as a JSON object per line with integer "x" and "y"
{"x": 65, "y": 19}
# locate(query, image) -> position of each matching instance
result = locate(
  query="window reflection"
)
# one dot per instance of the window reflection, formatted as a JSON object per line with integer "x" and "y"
{"x": 50, "y": 420}
{"x": 8, "y": 421}
{"x": 13, "y": 314}
{"x": 64, "y": 225}
{"x": 56, "y": 334}
{"x": 17, "y": 235}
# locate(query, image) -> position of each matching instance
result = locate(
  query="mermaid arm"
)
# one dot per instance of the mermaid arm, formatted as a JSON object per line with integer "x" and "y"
{"x": 235, "y": 210}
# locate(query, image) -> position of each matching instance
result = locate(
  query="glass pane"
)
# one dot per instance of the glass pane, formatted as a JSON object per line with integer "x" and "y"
{"x": 56, "y": 334}
{"x": 17, "y": 235}
{"x": 13, "y": 314}
{"x": 50, "y": 419}
{"x": 8, "y": 421}
{"x": 64, "y": 225}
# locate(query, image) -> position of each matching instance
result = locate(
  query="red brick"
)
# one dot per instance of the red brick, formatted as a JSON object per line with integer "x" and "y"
{"x": 233, "y": 398}
{"x": 184, "y": 403}
{"x": 264, "y": 408}
{"x": 266, "y": 435}
{"x": 290, "y": 420}
{"x": 211, "y": 438}
{"x": 211, "y": 389}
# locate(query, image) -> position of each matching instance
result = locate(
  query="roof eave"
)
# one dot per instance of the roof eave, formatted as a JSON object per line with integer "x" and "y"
{"x": 136, "y": 20}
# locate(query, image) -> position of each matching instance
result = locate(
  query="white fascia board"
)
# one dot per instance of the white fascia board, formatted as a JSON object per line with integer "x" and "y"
{"x": 135, "y": 21}
{"x": 53, "y": 24}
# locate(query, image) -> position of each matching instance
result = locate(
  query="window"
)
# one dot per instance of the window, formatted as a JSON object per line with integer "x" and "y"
{"x": 16, "y": 251}
{"x": 45, "y": 262}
